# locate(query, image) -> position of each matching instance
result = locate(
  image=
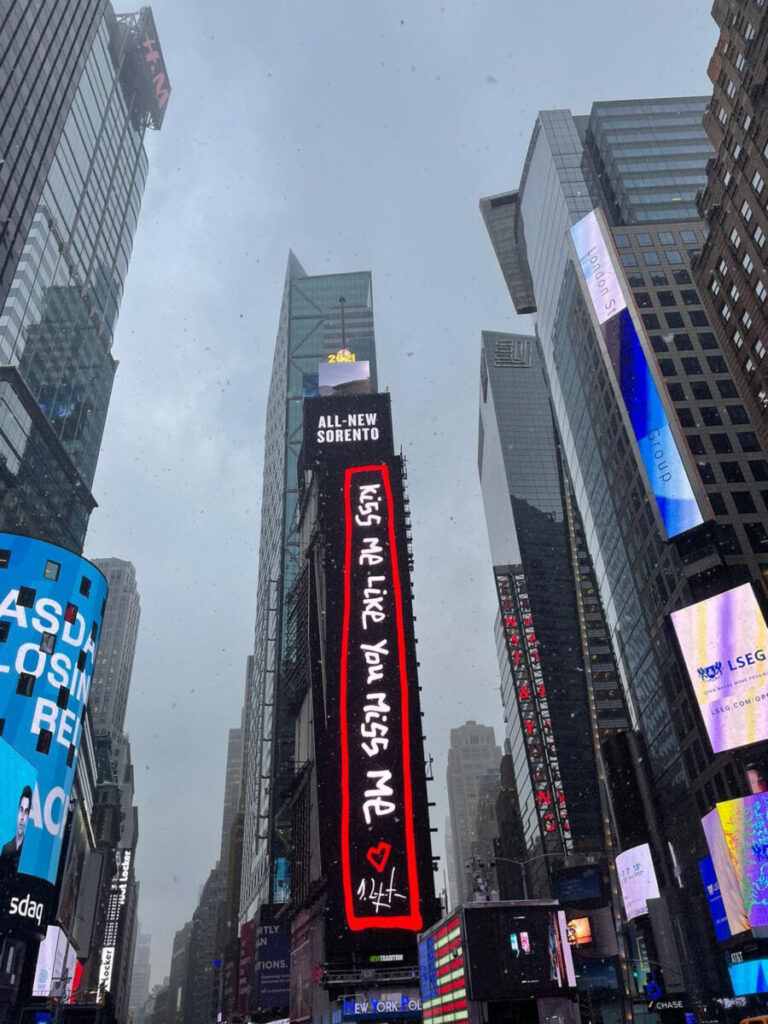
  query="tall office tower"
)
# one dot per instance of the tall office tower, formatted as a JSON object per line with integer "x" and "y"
{"x": 355, "y": 816}
{"x": 142, "y": 971}
{"x": 106, "y": 83}
{"x": 114, "y": 662}
{"x": 451, "y": 882}
{"x": 41, "y": 47}
{"x": 199, "y": 989}
{"x": 320, "y": 316}
{"x": 232, "y": 787}
{"x": 731, "y": 271}
{"x": 558, "y": 679}
{"x": 664, "y": 464}
{"x": 472, "y": 756}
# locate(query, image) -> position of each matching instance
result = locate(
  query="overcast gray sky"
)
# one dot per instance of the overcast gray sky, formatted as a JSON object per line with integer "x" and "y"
{"x": 360, "y": 133}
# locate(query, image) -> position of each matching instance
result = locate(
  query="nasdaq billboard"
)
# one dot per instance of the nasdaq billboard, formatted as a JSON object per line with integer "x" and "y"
{"x": 51, "y": 609}
{"x": 656, "y": 444}
{"x": 724, "y": 640}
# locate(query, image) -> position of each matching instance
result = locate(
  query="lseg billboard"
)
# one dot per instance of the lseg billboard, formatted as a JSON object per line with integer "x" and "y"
{"x": 656, "y": 444}
{"x": 371, "y": 779}
{"x": 723, "y": 640}
{"x": 51, "y": 608}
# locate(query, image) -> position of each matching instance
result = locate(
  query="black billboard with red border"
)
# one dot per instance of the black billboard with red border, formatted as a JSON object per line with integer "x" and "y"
{"x": 378, "y": 850}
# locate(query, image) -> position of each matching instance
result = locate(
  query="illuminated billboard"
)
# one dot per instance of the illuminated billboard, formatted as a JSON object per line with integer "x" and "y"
{"x": 144, "y": 74}
{"x": 637, "y": 880}
{"x": 656, "y": 444}
{"x": 749, "y": 978}
{"x": 371, "y": 782}
{"x": 737, "y": 837}
{"x": 723, "y": 640}
{"x": 516, "y": 950}
{"x": 51, "y": 608}
{"x": 442, "y": 974}
{"x": 344, "y": 377}
{"x": 714, "y": 899}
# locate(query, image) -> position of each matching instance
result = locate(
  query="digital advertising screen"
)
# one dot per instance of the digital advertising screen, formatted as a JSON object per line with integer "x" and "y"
{"x": 749, "y": 978}
{"x": 723, "y": 640}
{"x": 737, "y": 837}
{"x": 714, "y": 899}
{"x": 579, "y": 931}
{"x": 344, "y": 378}
{"x": 656, "y": 444}
{"x": 51, "y": 609}
{"x": 516, "y": 950}
{"x": 442, "y": 974}
{"x": 352, "y": 429}
{"x": 637, "y": 880}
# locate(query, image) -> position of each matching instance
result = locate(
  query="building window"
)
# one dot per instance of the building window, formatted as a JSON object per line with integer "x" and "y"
{"x": 667, "y": 367}
{"x": 730, "y": 90}
{"x": 676, "y": 392}
{"x": 686, "y": 418}
{"x": 629, "y": 259}
{"x": 737, "y": 339}
{"x": 737, "y": 414}
{"x": 707, "y": 339}
{"x": 740, "y": 62}
{"x": 621, "y": 241}
{"x": 760, "y": 291}
{"x": 746, "y": 319}
{"x": 722, "y": 267}
{"x": 700, "y": 390}
{"x": 642, "y": 238}
{"x": 749, "y": 33}
{"x": 651, "y": 259}
{"x": 759, "y": 349}
{"x": 736, "y": 151}
{"x": 717, "y": 364}
{"x": 680, "y": 276}
{"x": 748, "y": 441}
{"x": 757, "y": 182}
{"x": 651, "y": 321}
{"x": 674, "y": 320}
{"x": 743, "y": 502}
{"x": 747, "y": 122}
{"x": 683, "y": 343}
{"x": 749, "y": 366}
{"x": 732, "y": 472}
{"x": 725, "y": 312}
{"x": 746, "y": 212}
{"x": 665, "y": 298}
{"x": 717, "y": 501}
{"x": 734, "y": 293}
{"x": 747, "y": 263}
{"x": 689, "y": 237}
{"x": 692, "y": 366}
{"x": 710, "y": 416}
{"x": 722, "y": 117}
{"x": 727, "y": 179}
{"x": 673, "y": 256}
{"x": 643, "y": 299}
{"x": 735, "y": 238}
{"x": 721, "y": 443}
{"x": 759, "y": 236}
{"x": 757, "y": 537}
{"x": 666, "y": 238}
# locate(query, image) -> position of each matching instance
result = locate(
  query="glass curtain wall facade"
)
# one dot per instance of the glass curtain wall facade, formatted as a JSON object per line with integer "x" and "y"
{"x": 534, "y": 538}
{"x": 319, "y": 316}
{"x": 42, "y": 43}
{"x": 57, "y": 324}
{"x": 573, "y": 165}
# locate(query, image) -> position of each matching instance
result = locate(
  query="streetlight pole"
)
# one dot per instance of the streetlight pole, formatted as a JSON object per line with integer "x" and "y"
{"x": 520, "y": 863}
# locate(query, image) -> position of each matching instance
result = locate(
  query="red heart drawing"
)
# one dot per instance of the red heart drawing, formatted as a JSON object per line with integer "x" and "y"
{"x": 379, "y": 855}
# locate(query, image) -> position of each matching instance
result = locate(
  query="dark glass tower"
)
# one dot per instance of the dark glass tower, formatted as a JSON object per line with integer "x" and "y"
{"x": 57, "y": 322}
{"x": 319, "y": 316}
{"x": 42, "y": 45}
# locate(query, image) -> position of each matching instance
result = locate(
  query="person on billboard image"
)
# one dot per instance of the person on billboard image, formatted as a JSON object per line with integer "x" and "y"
{"x": 11, "y": 852}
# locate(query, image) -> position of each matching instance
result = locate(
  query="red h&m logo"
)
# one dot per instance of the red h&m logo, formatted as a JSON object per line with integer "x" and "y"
{"x": 378, "y": 849}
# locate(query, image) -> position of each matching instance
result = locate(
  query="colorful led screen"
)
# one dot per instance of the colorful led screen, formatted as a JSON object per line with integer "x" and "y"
{"x": 442, "y": 974}
{"x": 737, "y": 837}
{"x": 749, "y": 978}
{"x": 656, "y": 444}
{"x": 723, "y": 640}
{"x": 637, "y": 879}
{"x": 51, "y": 607}
{"x": 714, "y": 899}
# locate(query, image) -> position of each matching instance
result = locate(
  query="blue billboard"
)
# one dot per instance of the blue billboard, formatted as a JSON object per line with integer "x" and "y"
{"x": 51, "y": 609}
{"x": 656, "y": 444}
{"x": 715, "y": 899}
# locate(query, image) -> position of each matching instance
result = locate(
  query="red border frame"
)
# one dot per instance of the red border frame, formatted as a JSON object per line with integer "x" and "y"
{"x": 413, "y": 920}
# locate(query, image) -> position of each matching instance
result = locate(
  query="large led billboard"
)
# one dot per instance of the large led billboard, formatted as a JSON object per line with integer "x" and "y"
{"x": 714, "y": 899}
{"x": 637, "y": 880}
{"x": 516, "y": 950}
{"x": 723, "y": 640}
{"x": 371, "y": 783}
{"x": 51, "y": 608}
{"x": 737, "y": 837}
{"x": 656, "y": 444}
{"x": 442, "y": 974}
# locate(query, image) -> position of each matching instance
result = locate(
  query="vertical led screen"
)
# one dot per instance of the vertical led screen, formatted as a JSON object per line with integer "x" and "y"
{"x": 723, "y": 640}
{"x": 380, "y": 877}
{"x": 714, "y": 899}
{"x": 737, "y": 837}
{"x": 51, "y": 608}
{"x": 656, "y": 444}
{"x": 637, "y": 880}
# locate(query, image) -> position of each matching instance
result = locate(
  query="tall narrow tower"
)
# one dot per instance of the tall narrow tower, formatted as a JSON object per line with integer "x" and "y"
{"x": 320, "y": 317}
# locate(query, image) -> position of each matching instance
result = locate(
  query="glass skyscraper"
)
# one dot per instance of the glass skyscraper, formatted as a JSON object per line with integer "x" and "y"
{"x": 573, "y": 165}
{"x": 57, "y": 323}
{"x": 319, "y": 316}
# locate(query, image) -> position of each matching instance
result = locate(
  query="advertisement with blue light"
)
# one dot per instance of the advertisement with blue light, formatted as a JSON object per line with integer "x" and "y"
{"x": 51, "y": 608}
{"x": 660, "y": 455}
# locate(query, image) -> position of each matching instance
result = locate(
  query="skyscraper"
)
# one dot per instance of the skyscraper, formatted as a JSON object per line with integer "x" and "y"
{"x": 41, "y": 48}
{"x": 473, "y": 757}
{"x": 70, "y": 260}
{"x": 319, "y": 317}
{"x": 114, "y": 662}
{"x": 626, "y": 367}
{"x": 142, "y": 970}
{"x": 731, "y": 271}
